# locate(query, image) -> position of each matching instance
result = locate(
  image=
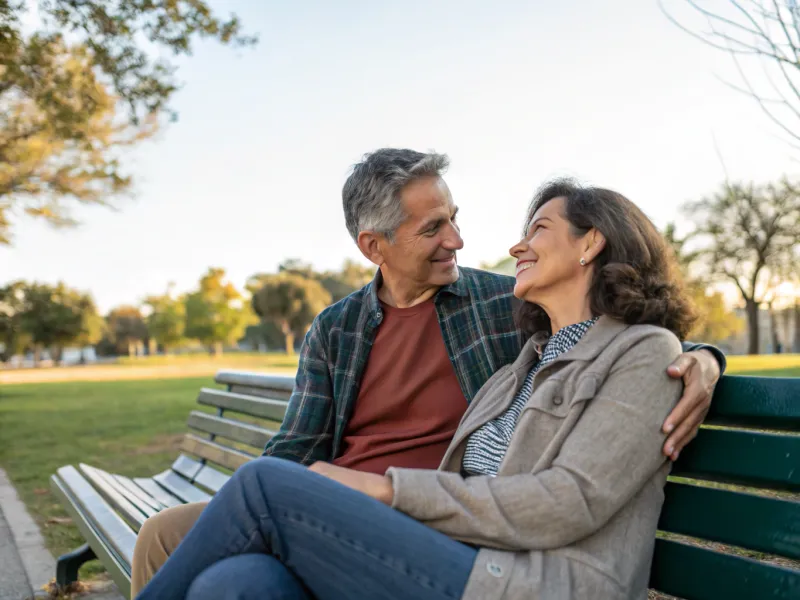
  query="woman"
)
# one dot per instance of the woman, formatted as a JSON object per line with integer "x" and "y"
{"x": 553, "y": 483}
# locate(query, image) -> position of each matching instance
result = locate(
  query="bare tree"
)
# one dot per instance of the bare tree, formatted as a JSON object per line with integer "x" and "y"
{"x": 748, "y": 235}
{"x": 762, "y": 31}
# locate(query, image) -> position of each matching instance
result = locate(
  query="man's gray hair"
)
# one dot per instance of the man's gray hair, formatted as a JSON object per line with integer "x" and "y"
{"x": 371, "y": 194}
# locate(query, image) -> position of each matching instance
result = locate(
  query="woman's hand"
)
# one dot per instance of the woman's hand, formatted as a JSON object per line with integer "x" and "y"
{"x": 376, "y": 486}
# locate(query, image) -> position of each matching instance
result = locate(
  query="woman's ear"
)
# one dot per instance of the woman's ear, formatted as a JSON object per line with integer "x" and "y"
{"x": 370, "y": 245}
{"x": 595, "y": 242}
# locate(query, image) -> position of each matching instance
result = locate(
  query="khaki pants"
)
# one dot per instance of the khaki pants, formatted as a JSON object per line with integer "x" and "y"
{"x": 158, "y": 538}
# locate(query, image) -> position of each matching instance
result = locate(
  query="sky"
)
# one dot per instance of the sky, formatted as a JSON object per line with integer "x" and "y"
{"x": 515, "y": 92}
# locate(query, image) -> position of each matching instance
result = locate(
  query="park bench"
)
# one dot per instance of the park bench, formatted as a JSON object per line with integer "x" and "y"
{"x": 751, "y": 442}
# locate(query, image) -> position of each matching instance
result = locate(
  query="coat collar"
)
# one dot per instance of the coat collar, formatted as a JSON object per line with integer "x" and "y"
{"x": 588, "y": 348}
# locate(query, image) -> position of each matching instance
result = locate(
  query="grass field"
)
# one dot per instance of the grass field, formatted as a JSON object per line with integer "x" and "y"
{"x": 134, "y": 427}
{"x": 130, "y": 427}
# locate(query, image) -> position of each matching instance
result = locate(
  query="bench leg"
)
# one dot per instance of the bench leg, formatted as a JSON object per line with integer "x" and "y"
{"x": 69, "y": 563}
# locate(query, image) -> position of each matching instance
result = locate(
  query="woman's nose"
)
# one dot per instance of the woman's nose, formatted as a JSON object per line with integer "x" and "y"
{"x": 518, "y": 248}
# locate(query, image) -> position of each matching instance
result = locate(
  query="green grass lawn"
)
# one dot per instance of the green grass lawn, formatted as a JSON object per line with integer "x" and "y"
{"x": 767, "y": 365}
{"x": 133, "y": 428}
{"x": 130, "y": 427}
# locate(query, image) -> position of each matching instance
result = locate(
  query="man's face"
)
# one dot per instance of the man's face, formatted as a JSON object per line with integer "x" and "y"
{"x": 424, "y": 250}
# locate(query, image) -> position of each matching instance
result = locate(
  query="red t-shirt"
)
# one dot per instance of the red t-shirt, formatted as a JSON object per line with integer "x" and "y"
{"x": 410, "y": 402}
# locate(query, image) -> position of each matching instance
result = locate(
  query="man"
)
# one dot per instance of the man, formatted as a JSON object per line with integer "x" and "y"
{"x": 386, "y": 374}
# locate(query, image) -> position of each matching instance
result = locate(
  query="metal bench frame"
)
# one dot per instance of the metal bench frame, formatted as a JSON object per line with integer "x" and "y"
{"x": 751, "y": 439}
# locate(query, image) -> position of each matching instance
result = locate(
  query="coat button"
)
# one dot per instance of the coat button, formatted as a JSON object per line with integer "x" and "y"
{"x": 494, "y": 570}
{"x": 558, "y": 400}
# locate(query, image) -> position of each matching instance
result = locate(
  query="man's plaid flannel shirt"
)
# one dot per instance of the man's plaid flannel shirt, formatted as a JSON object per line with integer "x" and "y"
{"x": 477, "y": 322}
{"x": 476, "y": 318}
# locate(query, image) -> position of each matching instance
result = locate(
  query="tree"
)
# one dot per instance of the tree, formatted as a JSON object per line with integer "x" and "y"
{"x": 166, "y": 322}
{"x": 291, "y": 301}
{"x": 715, "y": 322}
{"x": 126, "y": 329}
{"x": 93, "y": 326}
{"x": 351, "y": 277}
{"x": 215, "y": 313}
{"x": 13, "y": 337}
{"x": 748, "y": 235}
{"x": 54, "y": 317}
{"x": 767, "y": 31}
{"x": 81, "y": 88}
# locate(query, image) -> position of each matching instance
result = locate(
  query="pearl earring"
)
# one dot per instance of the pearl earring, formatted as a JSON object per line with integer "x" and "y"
{"x": 583, "y": 262}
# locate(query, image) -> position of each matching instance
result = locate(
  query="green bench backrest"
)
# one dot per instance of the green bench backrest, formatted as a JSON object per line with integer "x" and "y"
{"x": 737, "y": 484}
{"x": 247, "y": 415}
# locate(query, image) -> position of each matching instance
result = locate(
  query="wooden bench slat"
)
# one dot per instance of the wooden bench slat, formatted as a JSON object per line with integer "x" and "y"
{"x": 186, "y": 466}
{"x": 134, "y": 489}
{"x": 203, "y": 475}
{"x": 744, "y": 457}
{"x": 745, "y": 520}
{"x": 283, "y": 383}
{"x": 264, "y": 408}
{"x": 156, "y": 491}
{"x": 271, "y": 394}
{"x": 761, "y": 402}
{"x": 135, "y": 497}
{"x": 211, "y": 479}
{"x": 216, "y": 453}
{"x": 135, "y": 514}
{"x": 175, "y": 484}
{"x": 252, "y": 435}
{"x": 109, "y": 536}
{"x": 701, "y": 574}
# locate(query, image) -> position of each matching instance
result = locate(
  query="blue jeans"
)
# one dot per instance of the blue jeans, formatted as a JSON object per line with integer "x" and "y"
{"x": 279, "y": 531}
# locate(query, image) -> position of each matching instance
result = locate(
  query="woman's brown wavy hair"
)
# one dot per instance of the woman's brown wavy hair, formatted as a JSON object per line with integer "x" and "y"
{"x": 636, "y": 278}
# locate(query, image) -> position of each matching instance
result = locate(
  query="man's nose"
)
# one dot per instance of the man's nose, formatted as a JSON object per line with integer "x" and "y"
{"x": 453, "y": 240}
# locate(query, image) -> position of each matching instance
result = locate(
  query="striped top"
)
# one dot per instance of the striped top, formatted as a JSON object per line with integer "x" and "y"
{"x": 487, "y": 446}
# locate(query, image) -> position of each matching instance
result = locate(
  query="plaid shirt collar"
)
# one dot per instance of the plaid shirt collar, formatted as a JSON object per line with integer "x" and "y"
{"x": 373, "y": 305}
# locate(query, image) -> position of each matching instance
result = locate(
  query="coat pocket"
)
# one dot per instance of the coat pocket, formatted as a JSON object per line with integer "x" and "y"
{"x": 550, "y": 398}
{"x": 557, "y": 397}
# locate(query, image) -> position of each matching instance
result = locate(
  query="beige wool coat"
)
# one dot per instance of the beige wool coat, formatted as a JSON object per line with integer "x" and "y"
{"x": 573, "y": 510}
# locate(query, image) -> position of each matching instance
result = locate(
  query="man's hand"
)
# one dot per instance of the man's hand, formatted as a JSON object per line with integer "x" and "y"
{"x": 700, "y": 373}
{"x": 376, "y": 486}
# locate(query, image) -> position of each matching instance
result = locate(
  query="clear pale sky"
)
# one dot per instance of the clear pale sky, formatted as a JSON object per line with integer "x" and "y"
{"x": 514, "y": 91}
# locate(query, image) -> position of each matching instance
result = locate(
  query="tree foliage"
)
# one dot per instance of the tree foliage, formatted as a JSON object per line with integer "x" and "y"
{"x": 80, "y": 89}
{"x": 167, "y": 320}
{"x": 126, "y": 329}
{"x": 290, "y": 300}
{"x": 351, "y": 277}
{"x": 748, "y": 235}
{"x": 13, "y": 336}
{"x": 38, "y": 316}
{"x": 215, "y": 312}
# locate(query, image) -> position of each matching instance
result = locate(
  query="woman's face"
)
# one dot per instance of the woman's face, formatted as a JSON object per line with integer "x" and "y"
{"x": 548, "y": 258}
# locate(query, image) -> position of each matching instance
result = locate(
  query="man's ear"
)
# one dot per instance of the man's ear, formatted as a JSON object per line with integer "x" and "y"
{"x": 595, "y": 242}
{"x": 370, "y": 245}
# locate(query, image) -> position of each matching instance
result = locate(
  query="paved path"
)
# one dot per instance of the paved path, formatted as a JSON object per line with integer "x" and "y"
{"x": 26, "y": 565}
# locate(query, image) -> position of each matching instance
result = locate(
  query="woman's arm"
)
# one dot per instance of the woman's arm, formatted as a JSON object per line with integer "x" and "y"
{"x": 613, "y": 450}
